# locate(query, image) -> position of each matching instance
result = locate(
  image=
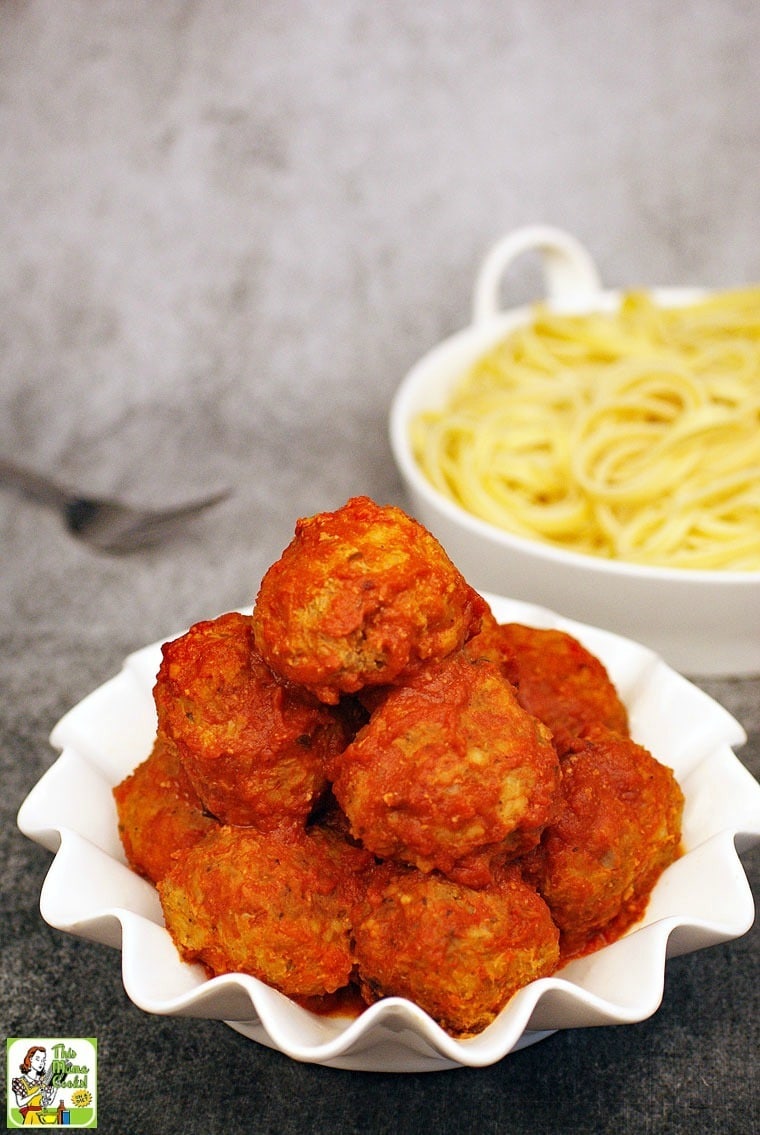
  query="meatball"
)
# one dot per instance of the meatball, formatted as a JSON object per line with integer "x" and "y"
{"x": 272, "y": 904}
{"x": 458, "y": 953}
{"x": 618, "y": 829}
{"x": 556, "y": 678}
{"x": 160, "y": 814}
{"x": 361, "y": 597}
{"x": 253, "y": 746}
{"x": 450, "y": 773}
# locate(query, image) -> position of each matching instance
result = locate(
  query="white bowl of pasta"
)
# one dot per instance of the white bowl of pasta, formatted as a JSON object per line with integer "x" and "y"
{"x": 614, "y": 474}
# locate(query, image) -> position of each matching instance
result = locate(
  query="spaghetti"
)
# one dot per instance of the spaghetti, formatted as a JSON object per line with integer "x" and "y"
{"x": 633, "y": 435}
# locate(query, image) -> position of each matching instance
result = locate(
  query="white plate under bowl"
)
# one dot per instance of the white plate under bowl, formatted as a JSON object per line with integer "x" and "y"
{"x": 702, "y": 899}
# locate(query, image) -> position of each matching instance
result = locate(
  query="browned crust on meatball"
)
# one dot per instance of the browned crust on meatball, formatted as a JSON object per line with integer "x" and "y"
{"x": 253, "y": 746}
{"x": 458, "y": 953}
{"x": 159, "y": 813}
{"x": 450, "y": 773}
{"x": 619, "y": 828}
{"x": 556, "y": 678}
{"x": 272, "y": 904}
{"x": 361, "y": 597}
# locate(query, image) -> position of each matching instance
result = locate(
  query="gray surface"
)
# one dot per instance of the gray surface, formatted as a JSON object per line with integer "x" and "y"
{"x": 226, "y": 231}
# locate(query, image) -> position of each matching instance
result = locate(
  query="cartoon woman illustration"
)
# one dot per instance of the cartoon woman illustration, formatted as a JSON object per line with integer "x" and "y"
{"x": 32, "y": 1088}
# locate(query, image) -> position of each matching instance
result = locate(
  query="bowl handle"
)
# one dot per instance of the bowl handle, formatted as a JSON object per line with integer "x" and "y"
{"x": 569, "y": 271}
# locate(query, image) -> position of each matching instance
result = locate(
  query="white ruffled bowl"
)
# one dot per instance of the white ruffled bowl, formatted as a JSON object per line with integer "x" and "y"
{"x": 702, "y": 899}
{"x": 700, "y": 622}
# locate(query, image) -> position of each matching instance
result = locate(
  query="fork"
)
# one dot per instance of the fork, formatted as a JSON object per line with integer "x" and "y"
{"x": 105, "y": 524}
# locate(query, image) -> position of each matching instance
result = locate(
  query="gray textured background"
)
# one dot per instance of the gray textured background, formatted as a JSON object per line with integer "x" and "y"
{"x": 226, "y": 231}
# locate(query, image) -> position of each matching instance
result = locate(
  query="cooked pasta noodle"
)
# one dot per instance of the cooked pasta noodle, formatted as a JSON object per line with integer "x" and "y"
{"x": 632, "y": 435}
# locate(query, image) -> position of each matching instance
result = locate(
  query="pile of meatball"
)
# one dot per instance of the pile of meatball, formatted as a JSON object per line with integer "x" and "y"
{"x": 370, "y": 785}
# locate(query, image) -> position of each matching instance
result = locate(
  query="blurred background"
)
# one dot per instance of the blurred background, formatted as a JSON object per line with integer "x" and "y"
{"x": 228, "y": 229}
